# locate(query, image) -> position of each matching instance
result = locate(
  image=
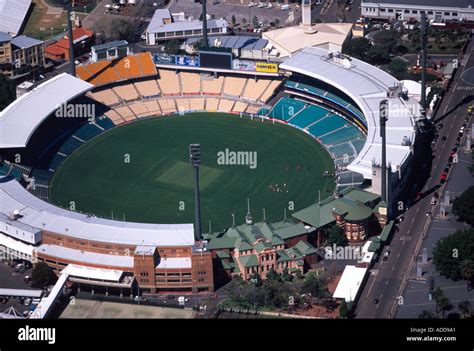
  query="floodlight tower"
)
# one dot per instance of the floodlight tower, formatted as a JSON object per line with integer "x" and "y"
{"x": 204, "y": 24}
{"x": 71, "y": 39}
{"x": 383, "y": 121}
{"x": 195, "y": 160}
{"x": 424, "y": 34}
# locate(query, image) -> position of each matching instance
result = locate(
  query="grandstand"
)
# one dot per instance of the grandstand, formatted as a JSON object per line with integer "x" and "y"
{"x": 125, "y": 68}
{"x": 211, "y": 86}
{"x": 147, "y": 88}
{"x": 191, "y": 83}
{"x": 365, "y": 87}
{"x": 234, "y": 86}
{"x": 169, "y": 82}
{"x": 332, "y": 130}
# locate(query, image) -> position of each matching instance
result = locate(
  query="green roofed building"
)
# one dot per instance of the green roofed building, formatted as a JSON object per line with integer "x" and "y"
{"x": 251, "y": 248}
{"x": 360, "y": 213}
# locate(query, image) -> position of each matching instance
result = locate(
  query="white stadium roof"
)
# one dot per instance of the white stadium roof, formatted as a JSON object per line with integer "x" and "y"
{"x": 20, "y": 119}
{"x": 40, "y": 214}
{"x": 12, "y": 15}
{"x": 367, "y": 86}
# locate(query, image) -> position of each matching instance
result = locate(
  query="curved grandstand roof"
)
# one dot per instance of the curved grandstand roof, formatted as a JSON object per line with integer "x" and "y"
{"x": 367, "y": 86}
{"x": 42, "y": 215}
{"x": 20, "y": 119}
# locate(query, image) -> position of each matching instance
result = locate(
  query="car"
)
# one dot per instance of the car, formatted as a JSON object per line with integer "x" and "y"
{"x": 428, "y": 213}
{"x": 419, "y": 196}
{"x": 400, "y": 219}
{"x": 376, "y": 301}
{"x": 170, "y": 297}
{"x": 470, "y": 109}
{"x": 444, "y": 138}
{"x": 440, "y": 126}
{"x": 443, "y": 176}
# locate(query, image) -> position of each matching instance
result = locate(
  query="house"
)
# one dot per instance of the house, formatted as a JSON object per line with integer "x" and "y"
{"x": 59, "y": 50}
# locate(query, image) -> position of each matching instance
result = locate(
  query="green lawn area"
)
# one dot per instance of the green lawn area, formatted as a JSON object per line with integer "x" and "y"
{"x": 158, "y": 180}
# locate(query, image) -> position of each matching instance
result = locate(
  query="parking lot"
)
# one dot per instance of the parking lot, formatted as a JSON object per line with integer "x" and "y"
{"x": 14, "y": 280}
{"x": 241, "y": 10}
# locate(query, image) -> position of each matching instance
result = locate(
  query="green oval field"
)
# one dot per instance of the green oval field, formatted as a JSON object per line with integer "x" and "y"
{"x": 140, "y": 172}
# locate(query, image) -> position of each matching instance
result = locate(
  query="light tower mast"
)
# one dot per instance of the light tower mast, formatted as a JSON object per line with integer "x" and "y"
{"x": 195, "y": 160}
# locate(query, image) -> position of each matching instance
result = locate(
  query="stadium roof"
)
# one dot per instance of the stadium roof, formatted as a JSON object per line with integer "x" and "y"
{"x": 428, "y": 3}
{"x": 40, "y": 214}
{"x": 21, "y": 293}
{"x": 367, "y": 86}
{"x": 12, "y": 15}
{"x": 20, "y": 119}
{"x": 290, "y": 40}
{"x": 350, "y": 283}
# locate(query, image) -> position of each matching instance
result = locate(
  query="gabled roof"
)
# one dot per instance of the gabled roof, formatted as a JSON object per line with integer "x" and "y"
{"x": 249, "y": 260}
{"x": 305, "y": 248}
{"x": 221, "y": 243}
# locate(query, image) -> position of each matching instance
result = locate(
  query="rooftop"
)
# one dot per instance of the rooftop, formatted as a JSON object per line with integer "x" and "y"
{"x": 367, "y": 86}
{"x": 36, "y": 106}
{"x": 290, "y": 40}
{"x": 24, "y": 42}
{"x": 13, "y": 14}
{"x": 5, "y": 37}
{"x": 350, "y": 283}
{"x": 160, "y": 23}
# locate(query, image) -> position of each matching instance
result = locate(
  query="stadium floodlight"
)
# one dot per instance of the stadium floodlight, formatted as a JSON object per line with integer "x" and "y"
{"x": 70, "y": 14}
{"x": 195, "y": 160}
{"x": 383, "y": 121}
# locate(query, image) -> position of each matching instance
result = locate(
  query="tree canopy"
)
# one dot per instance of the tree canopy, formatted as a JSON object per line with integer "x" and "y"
{"x": 7, "y": 92}
{"x": 42, "y": 276}
{"x": 463, "y": 206}
{"x": 452, "y": 252}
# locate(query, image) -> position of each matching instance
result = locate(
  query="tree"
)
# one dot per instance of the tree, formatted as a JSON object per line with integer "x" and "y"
{"x": 335, "y": 235}
{"x": 467, "y": 272}
{"x": 425, "y": 314}
{"x": 255, "y": 21}
{"x": 286, "y": 276}
{"x": 463, "y": 206}
{"x": 378, "y": 55}
{"x": 451, "y": 251}
{"x": 398, "y": 67}
{"x": 465, "y": 309}
{"x": 233, "y": 20}
{"x": 442, "y": 302}
{"x": 343, "y": 310}
{"x": 273, "y": 275}
{"x": 123, "y": 29}
{"x": 42, "y": 276}
{"x": 315, "y": 286}
{"x": 7, "y": 92}
{"x": 358, "y": 48}
{"x": 172, "y": 47}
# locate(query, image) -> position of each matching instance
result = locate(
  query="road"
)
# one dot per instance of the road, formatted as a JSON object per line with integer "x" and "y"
{"x": 388, "y": 278}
